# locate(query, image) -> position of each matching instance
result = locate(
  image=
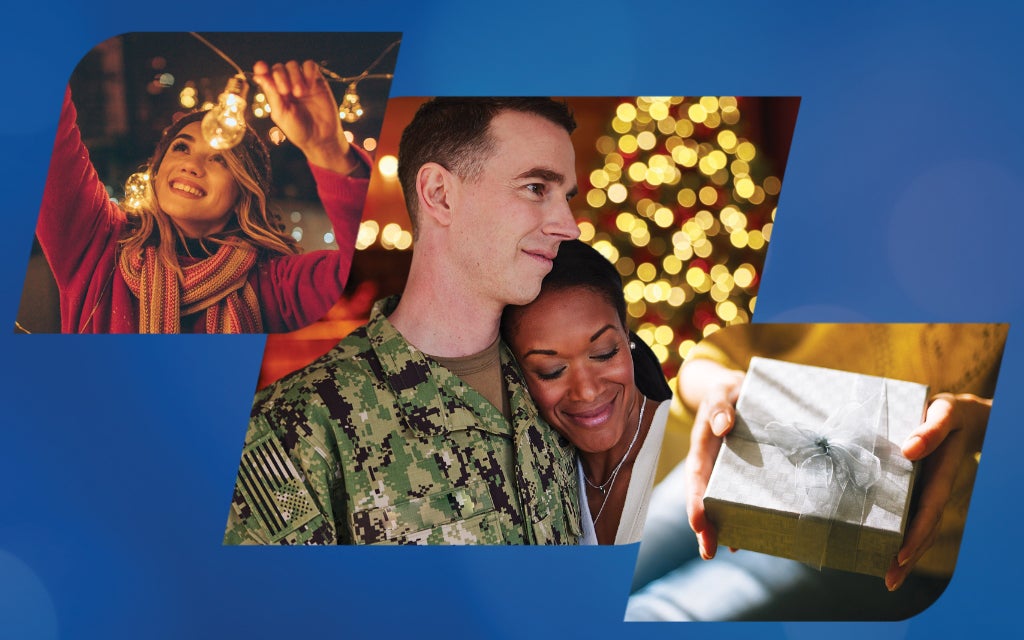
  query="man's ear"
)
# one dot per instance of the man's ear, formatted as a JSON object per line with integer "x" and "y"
{"x": 436, "y": 187}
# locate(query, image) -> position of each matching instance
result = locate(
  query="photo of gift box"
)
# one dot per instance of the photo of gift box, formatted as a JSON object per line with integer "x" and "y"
{"x": 813, "y": 470}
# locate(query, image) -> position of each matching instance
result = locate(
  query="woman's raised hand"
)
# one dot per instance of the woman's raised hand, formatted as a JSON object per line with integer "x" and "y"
{"x": 302, "y": 105}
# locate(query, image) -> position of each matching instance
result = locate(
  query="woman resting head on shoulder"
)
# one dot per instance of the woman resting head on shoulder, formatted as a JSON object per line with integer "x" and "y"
{"x": 597, "y": 384}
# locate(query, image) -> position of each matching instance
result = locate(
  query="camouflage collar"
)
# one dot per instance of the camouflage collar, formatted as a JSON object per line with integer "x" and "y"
{"x": 429, "y": 395}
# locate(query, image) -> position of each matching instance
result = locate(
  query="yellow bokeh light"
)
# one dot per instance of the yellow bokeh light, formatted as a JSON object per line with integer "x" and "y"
{"x": 704, "y": 218}
{"x": 684, "y": 155}
{"x": 605, "y": 145}
{"x": 586, "y": 230}
{"x": 686, "y": 197}
{"x": 739, "y": 168}
{"x": 636, "y": 309}
{"x": 758, "y": 196}
{"x": 726, "y": 310}
{"x": 677, "y": 296}
{"x": 705, "y": 166}
{"x": 755, "y": 240}
{"x": 739, "y": 238}
{"x": 391, "y": 233}
{"x": 596, "y": 198}
{"x": 666, "y": 125}
{"x": 685, "y": 346}
{"x": 633, "y": 291}
{"x": 388, "y": 166}
{"x": 625, "y": 266}
{"x": 726, "y": 139}
{"x": 625, "y": 221}
{"x": 697, "y": 113}
{"x": 752, "y": 303}
{"x": 660, "y": 352}
{"x": 664, "y": 217}
{"x": 367, "y": 234}
{"x": 621, "y": 126}
{"x": 710, "y": 103}
{"x": 647, "y": 272}
{"x": 717, "y": 159}
{"x": 607, "y": 249}
{"x": 599, "y": 178}
{"x": 703, "y": 249}
{"x": 626, "y": 112}
{"x": 772, "y": 185}
{"x": 404, "y": 241}
{"x": 746, "y": 151}
{"x": 744, "y": 275}
{"x": 637, "y": 171}
{"x": 664, "y": 335}
{"x": 744, "y": 187}
{"x": 646, "y": 140}
{"x": 713, "y": 120}
{"x": 684, "y": 128}
{"x": 693, "y": 230}
{"x": 659, "y": 110}
{"x": 613, "y": 162}
{"x": 640, "y": 236}
{"x": 627, "y": 143}
{"x": 672, "y": 264}
{"x": 617, "y": 193}
{"x": 695, "y": 277}
{"x": 710, "y": 328}
{"x": 708, "y": 196}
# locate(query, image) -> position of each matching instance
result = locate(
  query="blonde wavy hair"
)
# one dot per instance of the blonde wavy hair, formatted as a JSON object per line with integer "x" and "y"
{"x": 257, "y": 225}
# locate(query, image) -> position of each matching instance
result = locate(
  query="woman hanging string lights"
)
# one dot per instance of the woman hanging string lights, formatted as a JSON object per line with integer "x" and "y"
{"x": 199, "y": 251}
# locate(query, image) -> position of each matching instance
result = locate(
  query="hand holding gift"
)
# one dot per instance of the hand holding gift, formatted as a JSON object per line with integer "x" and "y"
{"x": 951, "y": 424}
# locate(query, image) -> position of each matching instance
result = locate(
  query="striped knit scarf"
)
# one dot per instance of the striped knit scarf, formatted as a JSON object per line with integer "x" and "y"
{"x": 218, "y": 284}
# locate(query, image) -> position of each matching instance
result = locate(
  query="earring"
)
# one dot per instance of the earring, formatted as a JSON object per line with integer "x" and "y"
{"x": 632, "y": 345}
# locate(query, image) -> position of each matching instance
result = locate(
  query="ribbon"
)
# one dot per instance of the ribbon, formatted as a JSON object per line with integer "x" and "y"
{"x": 835, "y": 464}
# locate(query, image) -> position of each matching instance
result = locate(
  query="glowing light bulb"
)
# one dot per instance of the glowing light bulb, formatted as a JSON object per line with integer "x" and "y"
{"x": 135, "y": 188}
{"x": 224, "y": 126}
{"x": 350, "y": 109}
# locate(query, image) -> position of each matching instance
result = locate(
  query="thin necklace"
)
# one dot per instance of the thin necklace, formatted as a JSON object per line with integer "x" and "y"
{"x": 610, "y": 482}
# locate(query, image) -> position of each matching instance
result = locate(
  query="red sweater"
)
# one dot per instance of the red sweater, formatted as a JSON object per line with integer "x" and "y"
{"x": 79, "y": 228}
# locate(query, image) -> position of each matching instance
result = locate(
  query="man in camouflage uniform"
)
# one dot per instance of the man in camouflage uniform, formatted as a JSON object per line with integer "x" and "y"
{"x": 378, "y": 442}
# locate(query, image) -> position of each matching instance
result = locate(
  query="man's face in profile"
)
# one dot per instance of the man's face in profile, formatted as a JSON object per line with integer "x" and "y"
{"x": 510, "y": 218}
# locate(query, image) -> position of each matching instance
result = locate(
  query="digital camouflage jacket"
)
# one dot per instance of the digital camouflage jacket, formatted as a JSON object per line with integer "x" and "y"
{"x": 376, "y": 443}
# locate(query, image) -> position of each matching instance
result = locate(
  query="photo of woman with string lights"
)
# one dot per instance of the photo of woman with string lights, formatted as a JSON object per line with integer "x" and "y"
{"x": 195, "y": 246}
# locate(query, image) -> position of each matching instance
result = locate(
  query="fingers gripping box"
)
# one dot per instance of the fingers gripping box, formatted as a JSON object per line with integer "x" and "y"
{"x": 813, "y": 470}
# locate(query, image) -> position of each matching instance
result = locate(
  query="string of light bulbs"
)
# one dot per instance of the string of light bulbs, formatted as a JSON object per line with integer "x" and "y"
{"x": 224, "y": 126}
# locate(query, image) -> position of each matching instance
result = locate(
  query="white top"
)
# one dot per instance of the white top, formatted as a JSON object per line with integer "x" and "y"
{"x": 641, "y": 482}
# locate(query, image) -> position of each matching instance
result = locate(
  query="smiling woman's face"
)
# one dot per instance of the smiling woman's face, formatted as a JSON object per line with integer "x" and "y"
{"x": 575, "y": 355}
{"x": 194, "y": 185}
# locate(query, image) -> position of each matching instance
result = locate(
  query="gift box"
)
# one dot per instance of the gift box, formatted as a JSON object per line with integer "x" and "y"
{"x": 813, "y": 470}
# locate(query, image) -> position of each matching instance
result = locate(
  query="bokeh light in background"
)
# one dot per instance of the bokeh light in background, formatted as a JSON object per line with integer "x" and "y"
{"x": 682, "y": 198}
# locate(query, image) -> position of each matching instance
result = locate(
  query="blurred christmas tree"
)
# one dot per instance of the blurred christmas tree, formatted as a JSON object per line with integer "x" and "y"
{"x": 683, "y": 204}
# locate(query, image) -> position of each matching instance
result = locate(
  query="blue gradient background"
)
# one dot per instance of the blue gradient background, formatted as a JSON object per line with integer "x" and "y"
{"x": 902, "y": 202}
